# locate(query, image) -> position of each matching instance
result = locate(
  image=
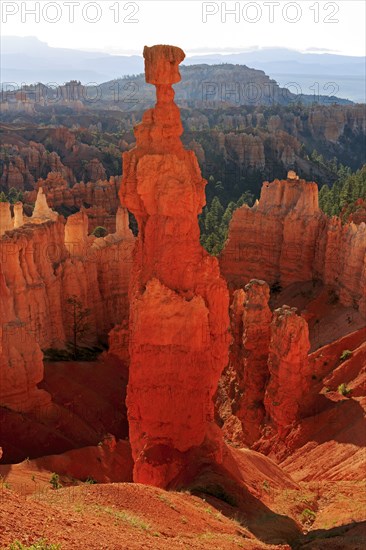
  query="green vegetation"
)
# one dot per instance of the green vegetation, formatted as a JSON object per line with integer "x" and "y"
{"x": 4, "y": 483}
{"x": 84, "y": 353}
{"x": 126, "y": 517}
{"x": 346, "y": 354}
{"x": 13, "y": 196}
{"x": 39, "y": 545}
{"x": 78, "y": 319}
{"x": 90, "y": 481}
{"x": 215, "y": 219}
{"x": 308, "y": 516}
{"x": 167, "y": 501}
{"x": 55, "y": 481}
{"x": 100, "y": 231}
{"x": 340, "y": 200}
{"x": 343, "y": 390}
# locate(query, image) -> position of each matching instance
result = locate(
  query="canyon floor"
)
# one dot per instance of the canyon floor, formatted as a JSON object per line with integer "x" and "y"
{"x": 132, "y": 516}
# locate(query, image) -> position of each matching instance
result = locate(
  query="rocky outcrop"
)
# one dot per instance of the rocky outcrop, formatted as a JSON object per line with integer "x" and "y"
{"x": 45, "y": 262}
{"x": 178, "y": 301}
{"x": 76, "y": 235}
{"x": 246, "y": 148}
{"x": 18, "y": 215}
{"x": 21, "y": 365}
{"x": 288, "y": 365}
{"x": 266, "y": 388}
{"x": 29, "y": 255}
{"x": 257, "y": 318}
{"x": 100, "y": 199}
{"x": 24, "y": 163}
{"x": 341, "y": 261}
{"x": 330, "y": 122}
{"x": 100, "y": 217}
{"x": 6, "y": 221}
{"x": 269, "y": 240}
{"x": 285, "y": 238}
{"x": 42, "y": 211}
{"x": 102, "y": 194}
{"x": 59, "y": 151}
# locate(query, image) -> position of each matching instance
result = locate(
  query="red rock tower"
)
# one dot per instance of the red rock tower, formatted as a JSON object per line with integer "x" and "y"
{"x": 178, "y": 300}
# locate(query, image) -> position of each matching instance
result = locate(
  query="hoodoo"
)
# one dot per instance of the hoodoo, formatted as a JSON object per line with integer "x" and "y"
{"x": 178, "y": 300}
{"x": 290, "y": 376}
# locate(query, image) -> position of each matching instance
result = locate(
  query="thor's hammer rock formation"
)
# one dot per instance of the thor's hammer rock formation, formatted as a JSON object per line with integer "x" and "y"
{"x": 178, "y": 300}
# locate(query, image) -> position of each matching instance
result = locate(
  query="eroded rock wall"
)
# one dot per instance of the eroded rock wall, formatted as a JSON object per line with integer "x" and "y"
{"x": 285, "y": 238}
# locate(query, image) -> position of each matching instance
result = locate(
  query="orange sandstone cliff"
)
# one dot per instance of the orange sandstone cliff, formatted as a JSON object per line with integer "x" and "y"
{"x": 285, "y": 238}
{"x": 21, "y": 359}
{"x": 314, "y": 263}
{"x": 45, "y": 262}
{"x": 178, "y": 300}
{"x": 255, "y": 347}
{"x": 289, "y": 373}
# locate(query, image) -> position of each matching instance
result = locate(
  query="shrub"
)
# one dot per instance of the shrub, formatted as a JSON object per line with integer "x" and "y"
{"x": 276, "y": 287}
{"x": 55, "y": 481}
{"x": 100, "y": 231}
{"x": 346, "y": 354}
{"x": 68, "y": 354}
{"x": 39, "y": 545}
{"x": 90, "y": 481}
{"x": 308, "y": 516}
{"x": 343, "y": 390}
{"x": 51, "y": 354}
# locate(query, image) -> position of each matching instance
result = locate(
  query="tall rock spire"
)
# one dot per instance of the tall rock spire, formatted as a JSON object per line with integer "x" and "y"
{"x": 178, "y": 300}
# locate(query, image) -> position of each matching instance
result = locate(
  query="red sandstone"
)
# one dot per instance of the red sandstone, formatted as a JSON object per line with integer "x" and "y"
{"x": 178, "y": 301}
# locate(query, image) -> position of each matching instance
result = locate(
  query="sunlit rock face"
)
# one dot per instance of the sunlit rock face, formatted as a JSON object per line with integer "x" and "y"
{"x": 43, "y": 263}
{"x": 288, "y": 365}
{"x": 285, "y": 238}
{"x": 178, "y": 300}
{"x": 21, "y": 359}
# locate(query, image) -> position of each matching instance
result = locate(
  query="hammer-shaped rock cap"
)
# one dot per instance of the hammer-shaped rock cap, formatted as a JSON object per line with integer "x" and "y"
{"x": 161, "y": 64}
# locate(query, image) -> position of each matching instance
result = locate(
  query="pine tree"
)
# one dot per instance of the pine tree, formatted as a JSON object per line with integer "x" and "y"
{"x": 78, "y": 319}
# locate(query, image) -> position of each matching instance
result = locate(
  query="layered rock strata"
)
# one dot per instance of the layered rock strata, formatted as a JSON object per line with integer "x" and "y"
{"x": 256, "y": 337}
{"x": 288, "y": 365}
{"x": 45, "y": 264}
{"x": 285, "y": 238}
{"x": 21, "y": 359}
{"x": 178, "y": 300}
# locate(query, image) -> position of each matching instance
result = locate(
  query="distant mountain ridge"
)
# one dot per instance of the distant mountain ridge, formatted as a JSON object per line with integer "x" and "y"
{"x": 28, "y": 60}
{"x": 202, "y": 86}
{"x": 210, "y": 86}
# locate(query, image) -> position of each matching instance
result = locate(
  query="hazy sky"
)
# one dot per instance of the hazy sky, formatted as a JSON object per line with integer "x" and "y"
{"x": 125, "y": 27}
